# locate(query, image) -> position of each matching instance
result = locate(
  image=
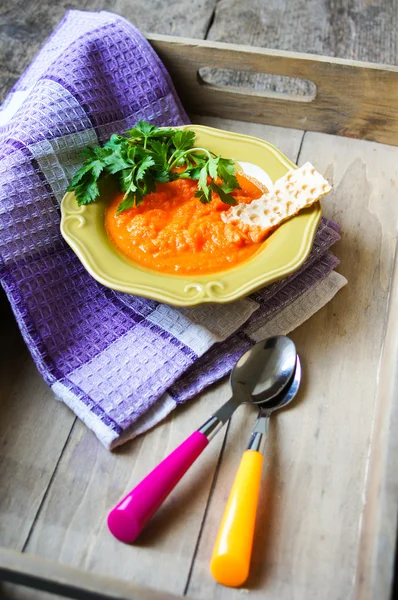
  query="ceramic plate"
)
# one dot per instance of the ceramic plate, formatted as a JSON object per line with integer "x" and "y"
{"x": 283, "y": 252}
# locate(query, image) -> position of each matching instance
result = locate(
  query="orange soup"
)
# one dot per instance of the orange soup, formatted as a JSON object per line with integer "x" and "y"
{"x": 173, "y": 232}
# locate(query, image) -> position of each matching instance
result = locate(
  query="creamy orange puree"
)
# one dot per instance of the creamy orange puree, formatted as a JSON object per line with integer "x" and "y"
{"x": 172, "y": 232}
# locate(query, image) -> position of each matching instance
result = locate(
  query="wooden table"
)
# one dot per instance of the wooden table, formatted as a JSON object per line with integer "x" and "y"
{"x": 322, "y": 506}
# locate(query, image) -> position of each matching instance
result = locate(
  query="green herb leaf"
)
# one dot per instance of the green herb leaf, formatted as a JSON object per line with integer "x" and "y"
{"x": 115, "y": 163}
{"x": 86, "y": 192}
{"x": 183, "y": 140}
{"x": 127, "y": 202}
{"x": 84, "y": 181}
{"x": 145, "y": 164}
{"x": 142, "y": 130}
{"x": 162, "y": 176}
{"x": 147, "y": 155}
{"x": 115, "y": 142}
{"x": 212, "y": 167}
{"x": 204, "y": 198}
{"x": 202, "y": 185}
{"x": 224, "y": 196}
{"x": 199, "y": 161}
{"x": 192, "y": 173}
{"x": 78, "y": 176}
{"x": 226, "y": 172}
{"x": 159, "y": 150}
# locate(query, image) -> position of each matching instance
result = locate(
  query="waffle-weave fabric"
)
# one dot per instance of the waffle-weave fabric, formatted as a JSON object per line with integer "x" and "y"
{"x": 120, "y": 362}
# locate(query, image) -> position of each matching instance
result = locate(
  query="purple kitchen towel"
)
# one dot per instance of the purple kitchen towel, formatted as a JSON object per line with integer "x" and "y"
{"x": 120, "y": 362}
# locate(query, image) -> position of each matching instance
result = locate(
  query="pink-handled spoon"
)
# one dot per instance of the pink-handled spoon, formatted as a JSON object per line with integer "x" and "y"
{"x": 259, "y": 375}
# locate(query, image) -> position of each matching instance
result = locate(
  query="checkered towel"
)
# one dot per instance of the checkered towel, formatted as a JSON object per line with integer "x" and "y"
{"x": 120, "y": 362}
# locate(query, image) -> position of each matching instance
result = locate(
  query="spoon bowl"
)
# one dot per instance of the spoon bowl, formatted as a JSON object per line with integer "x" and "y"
{"x": 264, "y": 370}
{"x": 286, "y": 395}
{"x": 259, "y": 376}
{"x": 266, "y": 408}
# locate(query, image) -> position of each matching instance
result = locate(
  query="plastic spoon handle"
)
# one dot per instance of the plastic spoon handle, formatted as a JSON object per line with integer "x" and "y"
{"x": 130, "y": 516}
{"x": 132, "y": 513}
{"x": 230, "y": 561}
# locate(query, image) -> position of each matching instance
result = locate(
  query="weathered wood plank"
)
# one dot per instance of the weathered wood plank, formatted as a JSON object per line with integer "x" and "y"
{"x": 288, "y": 141}
{"x": 25, "y": 26}
{"x": 71, "y": 527}
{"x": 312, "y": 519}
{"x": 33, "y": 431}
{"x": 364, "y": 31}
{"x": 59, "y": 579}
{"x": 353, "y": 99}
{"x": 379, "y": 526}
{"x": 357, "y": 29}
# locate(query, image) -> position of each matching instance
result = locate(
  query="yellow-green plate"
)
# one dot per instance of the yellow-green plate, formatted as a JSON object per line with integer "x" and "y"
{"x": 282, "y": 253}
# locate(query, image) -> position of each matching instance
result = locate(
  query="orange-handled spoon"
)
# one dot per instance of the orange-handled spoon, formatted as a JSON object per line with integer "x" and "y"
{"x": 230, "y": 562}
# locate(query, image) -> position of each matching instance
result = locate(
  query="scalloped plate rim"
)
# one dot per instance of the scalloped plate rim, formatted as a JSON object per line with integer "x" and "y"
{"x": 155, "y": 292}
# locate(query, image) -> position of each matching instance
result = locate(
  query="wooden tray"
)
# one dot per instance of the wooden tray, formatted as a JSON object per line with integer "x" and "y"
{"x": 327, "y": 520}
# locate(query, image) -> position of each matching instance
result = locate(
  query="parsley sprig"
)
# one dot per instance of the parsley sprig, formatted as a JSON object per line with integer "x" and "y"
{"x": 146, "y": 155}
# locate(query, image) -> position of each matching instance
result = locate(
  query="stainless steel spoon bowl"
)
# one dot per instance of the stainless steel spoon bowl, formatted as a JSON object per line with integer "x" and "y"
{"x": 260, "y": 375}
{"x": 267, "y": 407}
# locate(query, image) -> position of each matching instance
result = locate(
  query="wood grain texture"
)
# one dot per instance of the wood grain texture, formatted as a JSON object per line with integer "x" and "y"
{"x": 312, "y": 521}
{"x": 353, "y": 99}
{"x": 353, "y": 29}
{"x": 33, "y": 431}
{"x": 58, "y": 579}
{"x": 25, "y": 25}
{"x": 363, "y": 31}
{"x": 93, "y": 480}
{"x": 379, "y": 526}
{"x": 288, "y": 141}
{"x": 358, "y": 29}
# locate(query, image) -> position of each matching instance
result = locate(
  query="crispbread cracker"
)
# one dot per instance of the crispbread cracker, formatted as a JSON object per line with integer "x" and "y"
{"x": 296, "y": 190}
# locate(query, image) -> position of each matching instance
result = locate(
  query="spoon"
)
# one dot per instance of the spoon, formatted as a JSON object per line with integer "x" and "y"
{"x": 259, "y": 375}
{"x": 231, "y": 556}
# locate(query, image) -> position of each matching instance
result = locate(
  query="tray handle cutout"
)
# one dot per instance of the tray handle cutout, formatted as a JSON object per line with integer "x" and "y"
{"x": 258, "y": 84}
